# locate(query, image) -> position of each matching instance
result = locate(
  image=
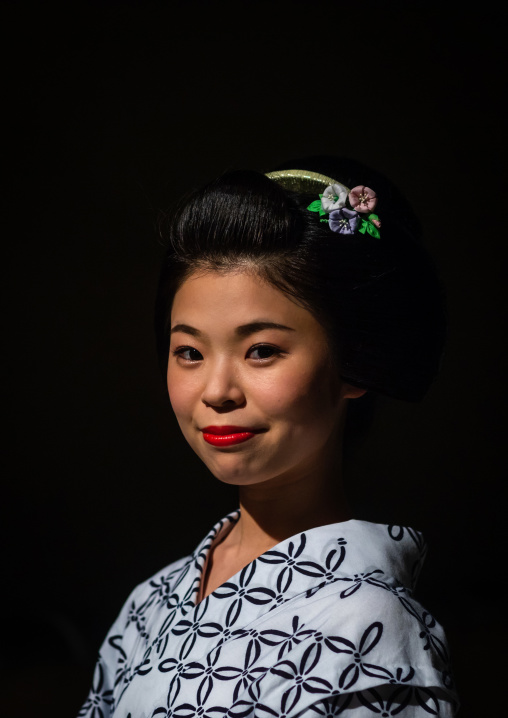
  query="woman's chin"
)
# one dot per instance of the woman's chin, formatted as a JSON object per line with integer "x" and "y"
{"x": 235, "y": 475}
{"x": 238, "y": 472}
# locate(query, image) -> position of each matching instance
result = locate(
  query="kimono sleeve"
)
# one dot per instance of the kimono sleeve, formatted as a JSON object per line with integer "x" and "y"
{"x": 111, "y": 661}
{"x": 385, "y": 700}
{"x": 371, "y": 652}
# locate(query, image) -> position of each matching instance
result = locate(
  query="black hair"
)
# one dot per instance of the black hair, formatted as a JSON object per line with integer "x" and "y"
{"x": 379, "y": 299}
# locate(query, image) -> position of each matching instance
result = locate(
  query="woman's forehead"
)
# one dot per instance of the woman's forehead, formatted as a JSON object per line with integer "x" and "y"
{"x": 232, "y": 290}
{"x": 235, "y": 299}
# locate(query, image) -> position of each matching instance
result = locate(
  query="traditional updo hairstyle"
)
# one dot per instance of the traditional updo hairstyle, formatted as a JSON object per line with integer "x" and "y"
{"x": 379, "y": 299}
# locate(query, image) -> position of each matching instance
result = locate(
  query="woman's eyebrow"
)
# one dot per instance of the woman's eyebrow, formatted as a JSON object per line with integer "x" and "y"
{"x": 186, "y": 329}
{"x": 247, "y": 329}
{"x": 244, "y": 330}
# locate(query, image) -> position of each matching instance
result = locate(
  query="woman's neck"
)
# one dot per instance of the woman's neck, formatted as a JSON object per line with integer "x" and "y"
{"x": 284, "y": 506}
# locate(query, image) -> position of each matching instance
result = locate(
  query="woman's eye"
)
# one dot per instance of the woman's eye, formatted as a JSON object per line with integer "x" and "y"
{"x": 188, "y": 354}
{"x": 263, "y": 351}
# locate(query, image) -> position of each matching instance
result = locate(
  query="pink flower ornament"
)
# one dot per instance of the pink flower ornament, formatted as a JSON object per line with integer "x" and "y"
{"x": 362, "y": 199}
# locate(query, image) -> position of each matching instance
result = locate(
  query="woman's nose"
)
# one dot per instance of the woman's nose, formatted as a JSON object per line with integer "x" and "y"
{"x": 222, "y": 388}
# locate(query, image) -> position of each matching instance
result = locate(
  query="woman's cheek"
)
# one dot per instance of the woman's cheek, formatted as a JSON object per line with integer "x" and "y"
{"x": 184, "y": 385}
{"x": 179, "y": 397}
{"x": 293, "y": 392}
{"x": 310, "y": 400}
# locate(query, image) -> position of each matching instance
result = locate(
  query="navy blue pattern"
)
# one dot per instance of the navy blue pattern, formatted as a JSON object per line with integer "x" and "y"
{"x": 323, "y": 624}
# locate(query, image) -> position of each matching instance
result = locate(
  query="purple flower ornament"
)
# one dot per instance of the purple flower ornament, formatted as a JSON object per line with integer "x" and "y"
{"x": 344, "y": 221}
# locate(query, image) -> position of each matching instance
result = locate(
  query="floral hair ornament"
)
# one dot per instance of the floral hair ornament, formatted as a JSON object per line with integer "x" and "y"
{"x": 349, "y": 211}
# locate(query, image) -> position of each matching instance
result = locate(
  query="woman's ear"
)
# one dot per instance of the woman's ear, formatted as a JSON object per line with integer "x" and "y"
{"x": 351, "y": 392}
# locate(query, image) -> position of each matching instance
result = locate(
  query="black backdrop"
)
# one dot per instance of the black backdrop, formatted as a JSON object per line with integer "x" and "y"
{"x": 115, "y": 109}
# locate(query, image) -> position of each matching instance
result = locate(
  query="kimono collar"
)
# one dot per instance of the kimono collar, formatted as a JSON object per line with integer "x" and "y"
{"x": 347, "y": 551}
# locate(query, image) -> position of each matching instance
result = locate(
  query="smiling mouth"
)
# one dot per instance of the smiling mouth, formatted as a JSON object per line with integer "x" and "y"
{"x": 227, "y": 435}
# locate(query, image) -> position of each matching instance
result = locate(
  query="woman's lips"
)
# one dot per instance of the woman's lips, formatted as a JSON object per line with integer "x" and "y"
{"x": 227, "y": 435}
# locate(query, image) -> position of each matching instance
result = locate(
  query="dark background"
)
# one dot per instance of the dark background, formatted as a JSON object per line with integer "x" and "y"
{"x": 114, "y": 110}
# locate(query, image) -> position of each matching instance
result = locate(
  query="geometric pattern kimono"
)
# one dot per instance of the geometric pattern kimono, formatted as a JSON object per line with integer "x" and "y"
{"x": 322, "y": 624}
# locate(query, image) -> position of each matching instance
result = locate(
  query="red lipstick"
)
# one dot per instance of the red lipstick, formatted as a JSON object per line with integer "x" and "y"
{"x": 227, "y": 435}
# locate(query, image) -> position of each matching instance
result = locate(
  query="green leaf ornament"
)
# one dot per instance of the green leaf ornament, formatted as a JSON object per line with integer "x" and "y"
{"x": 373, "y": 230}
{"x": 316, "y": 206}
{"x": 367, "y": 226}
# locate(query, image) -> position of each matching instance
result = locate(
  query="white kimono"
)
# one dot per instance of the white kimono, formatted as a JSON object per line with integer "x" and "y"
{"x": 323, "y": 624}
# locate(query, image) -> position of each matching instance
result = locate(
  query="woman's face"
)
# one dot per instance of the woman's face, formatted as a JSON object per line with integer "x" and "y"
{"x": 250, "y": 378}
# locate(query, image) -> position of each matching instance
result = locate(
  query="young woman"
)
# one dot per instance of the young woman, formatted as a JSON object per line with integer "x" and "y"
{"x": 283, "y": 298}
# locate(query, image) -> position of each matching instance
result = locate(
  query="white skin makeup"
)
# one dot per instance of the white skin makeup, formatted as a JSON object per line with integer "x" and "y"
{"x": 243, "y": 354}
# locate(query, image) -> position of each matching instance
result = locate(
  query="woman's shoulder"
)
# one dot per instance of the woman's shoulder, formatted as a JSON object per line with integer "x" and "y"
{"x": 364, "y": 607}
{"x": 158, "y": 587}
{"x": 352, "y": 600}
{"x": 165, "y": 578}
